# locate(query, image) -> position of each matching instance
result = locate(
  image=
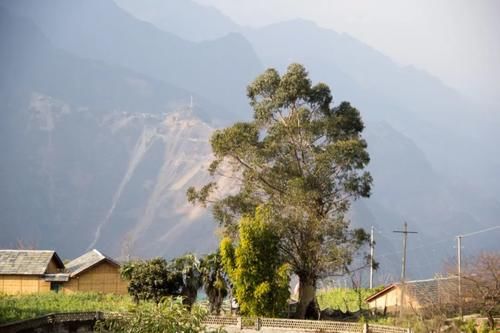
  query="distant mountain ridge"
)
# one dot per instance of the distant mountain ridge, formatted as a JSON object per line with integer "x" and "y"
{"x": 197, "y": 22}
{"x": 100, "y": 142}
{"x": 217, "y": 70}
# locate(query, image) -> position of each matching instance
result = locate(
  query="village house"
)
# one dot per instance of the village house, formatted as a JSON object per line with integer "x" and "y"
{"x": 94, "y": 272}
{"x": 37, "y": 271}
{"x": 418, "y": 294}
{"x": 29, "y": 271}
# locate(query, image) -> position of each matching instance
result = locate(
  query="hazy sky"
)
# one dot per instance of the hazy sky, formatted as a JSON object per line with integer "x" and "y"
{"x": 456, "y": 40}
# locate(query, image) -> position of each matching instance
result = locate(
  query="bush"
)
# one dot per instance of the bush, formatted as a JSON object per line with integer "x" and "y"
{"x": 151, "y": 280}
{"x": 168, "y": 316}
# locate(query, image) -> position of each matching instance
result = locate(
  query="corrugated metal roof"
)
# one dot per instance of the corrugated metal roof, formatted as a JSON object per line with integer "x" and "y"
{"x": 84, "y": 262}
{"x": 425, "y": 291}
{"x": 27, "y": 262}
{"x": 421, "y": 289}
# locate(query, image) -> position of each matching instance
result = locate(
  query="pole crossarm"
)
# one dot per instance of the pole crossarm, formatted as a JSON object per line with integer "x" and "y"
{"x": 405, "y": 233}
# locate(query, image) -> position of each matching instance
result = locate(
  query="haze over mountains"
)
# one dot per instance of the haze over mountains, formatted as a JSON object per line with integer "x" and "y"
{"x": 99, "y": 139}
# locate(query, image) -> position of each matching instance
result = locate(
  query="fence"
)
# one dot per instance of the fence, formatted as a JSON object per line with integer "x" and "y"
{"x": 300, "y": 325}
{"x": 55, "y": 322}
{"x": 84, "y": 322}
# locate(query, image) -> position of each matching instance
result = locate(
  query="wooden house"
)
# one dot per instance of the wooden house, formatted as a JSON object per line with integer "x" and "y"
{"x": 418, "y": 294}
{"x": 30, "y": 271}
{"x": 36, "y": 271}
{"x": 94, "y": 272}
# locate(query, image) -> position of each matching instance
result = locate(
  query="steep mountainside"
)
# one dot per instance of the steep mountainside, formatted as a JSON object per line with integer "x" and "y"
{"x": 98, "y": 29}
{"x": 94, "y": 155}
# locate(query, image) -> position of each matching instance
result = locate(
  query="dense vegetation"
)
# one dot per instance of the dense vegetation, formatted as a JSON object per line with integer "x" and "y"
{"x": 168, "y": 316}
{"x": 154, "y": 279}
{"x": 345, "y": 299}
{"x": 29, "y": 306}
{"x": 257, "y": 271}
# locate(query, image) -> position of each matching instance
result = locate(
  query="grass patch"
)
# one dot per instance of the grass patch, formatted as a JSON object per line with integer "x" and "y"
{"x": 344, "y": 299}
{"x": 20, "y": 307}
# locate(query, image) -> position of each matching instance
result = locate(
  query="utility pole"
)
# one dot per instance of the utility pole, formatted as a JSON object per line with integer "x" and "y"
{"x": 372, "y": 245}
{"x": 405, "y": 233}
{"x": 459, "y": 270}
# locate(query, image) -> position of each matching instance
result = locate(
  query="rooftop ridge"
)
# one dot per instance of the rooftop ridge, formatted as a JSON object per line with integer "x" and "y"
{"x": 13, "y": 250}
{"x": 432, "y": 279}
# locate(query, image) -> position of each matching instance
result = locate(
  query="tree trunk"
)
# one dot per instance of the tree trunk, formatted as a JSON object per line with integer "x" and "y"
{"x": 491, "y": 321}
{"x": 307, "y": 297}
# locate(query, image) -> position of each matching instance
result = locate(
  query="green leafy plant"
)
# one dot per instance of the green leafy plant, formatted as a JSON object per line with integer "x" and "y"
{"x": 214, "y": 281}
{"x": 151, "y": 280}
{"x": 168, "y": 316}
{"x": 259, "y": 275}
{"x": 156, "y": 278}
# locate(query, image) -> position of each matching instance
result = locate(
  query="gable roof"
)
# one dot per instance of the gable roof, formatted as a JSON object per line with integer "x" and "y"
{"x": 421, "y": 290}
{"x": 86, "y": 261}
{"x": 27, "y": 262}
{"x": 431, "y": 290}
{"x": 381, "y": 292}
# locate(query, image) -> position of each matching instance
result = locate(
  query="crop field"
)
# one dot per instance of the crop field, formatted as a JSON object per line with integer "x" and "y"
{"x": 344, "y": 299}
{"x": 29, "y": 306}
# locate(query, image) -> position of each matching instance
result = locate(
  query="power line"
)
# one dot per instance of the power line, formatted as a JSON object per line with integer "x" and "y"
{"x": 459, "y": 261}
{"x": 442, "y": 240}
{"x": 480, "y": 231}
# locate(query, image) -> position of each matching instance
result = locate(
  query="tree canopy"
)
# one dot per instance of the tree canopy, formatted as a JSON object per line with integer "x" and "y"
{"x": 151, "y": 280}
{"x": 156, "y": 278}
{"x": 302, "y": 157}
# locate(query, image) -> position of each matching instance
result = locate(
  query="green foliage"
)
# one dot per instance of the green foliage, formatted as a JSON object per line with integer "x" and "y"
{"x": 156, "y": 278}
{"x": 151, "y": 280}
{"x": 214, "y": 281}
{"x": 344, "y": 299}
{"x": 468, "y": 326}
{"x": 168, "y": 316}
{"x": 260, "y": 277}
{"x": 186, "y": 269}
{"x": 20, "y": 307}
{"x": 304, "y": 159}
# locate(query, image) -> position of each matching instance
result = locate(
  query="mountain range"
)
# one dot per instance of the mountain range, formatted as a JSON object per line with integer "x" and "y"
{"x": 107, "y": 109}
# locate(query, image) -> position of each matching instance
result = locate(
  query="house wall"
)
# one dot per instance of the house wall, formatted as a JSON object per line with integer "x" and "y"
{"x": 26, "y": 284}
{"x": 52, "y": 268}
{"x": 23, "y": 284}
{"x": 391, "y": 300}
{"x": 104, "y": 278}
{"x": 388, "y": 301}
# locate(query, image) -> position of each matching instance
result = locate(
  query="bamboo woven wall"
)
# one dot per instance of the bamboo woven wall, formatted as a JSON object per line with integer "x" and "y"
{"x": 23, "y": 284}
{"x": 104, "y": 278}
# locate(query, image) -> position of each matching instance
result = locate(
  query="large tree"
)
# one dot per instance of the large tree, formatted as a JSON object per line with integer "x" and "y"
{"x": 303, "y": 157}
